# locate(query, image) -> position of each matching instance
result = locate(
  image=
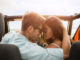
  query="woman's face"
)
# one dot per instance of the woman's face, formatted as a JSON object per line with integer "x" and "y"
{"x": 47, "y": 32}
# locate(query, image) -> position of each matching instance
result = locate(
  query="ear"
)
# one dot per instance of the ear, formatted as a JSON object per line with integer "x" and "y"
{"x": 30, "y": 29}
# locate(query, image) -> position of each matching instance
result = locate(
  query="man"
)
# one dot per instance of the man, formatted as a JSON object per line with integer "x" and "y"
{"x": 26, "y": 40}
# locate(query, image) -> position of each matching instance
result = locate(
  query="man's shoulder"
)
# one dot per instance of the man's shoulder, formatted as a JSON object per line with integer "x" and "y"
{"x": 55, "y": 51}
{"x": 13, "y": 36}
{"x": 10, "y": 34}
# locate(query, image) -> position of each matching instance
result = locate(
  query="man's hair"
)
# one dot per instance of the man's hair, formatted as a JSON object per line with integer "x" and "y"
{"x": 56, "y": 26}
{"x": 31, "y": 19}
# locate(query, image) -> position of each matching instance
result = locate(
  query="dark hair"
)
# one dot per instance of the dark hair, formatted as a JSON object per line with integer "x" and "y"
{"x": 32, "y": 19}
{"x": 56, "y": 26}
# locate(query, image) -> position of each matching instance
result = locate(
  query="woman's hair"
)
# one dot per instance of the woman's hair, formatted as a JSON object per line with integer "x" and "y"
{"x": 57, "y": 28}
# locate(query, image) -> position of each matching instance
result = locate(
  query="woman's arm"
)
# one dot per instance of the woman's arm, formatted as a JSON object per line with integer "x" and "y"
{"x": 66, "y": 43}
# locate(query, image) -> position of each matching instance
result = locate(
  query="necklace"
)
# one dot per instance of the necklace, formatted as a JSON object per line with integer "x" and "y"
{"x": 56, "y": 45}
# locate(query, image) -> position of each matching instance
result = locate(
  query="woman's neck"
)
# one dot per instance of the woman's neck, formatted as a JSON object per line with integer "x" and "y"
{"x": 55, "y": 44}
{"x": 58, "y": 42}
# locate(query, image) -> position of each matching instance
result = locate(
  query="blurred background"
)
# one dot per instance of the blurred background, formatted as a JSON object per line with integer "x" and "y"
{"x": 43, "y": 7}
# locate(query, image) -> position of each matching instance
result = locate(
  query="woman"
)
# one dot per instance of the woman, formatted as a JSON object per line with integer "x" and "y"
{"x": 56, "y": 35}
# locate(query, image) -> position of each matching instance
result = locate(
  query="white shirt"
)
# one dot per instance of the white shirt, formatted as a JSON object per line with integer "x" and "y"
{"x": 31, "y": 51}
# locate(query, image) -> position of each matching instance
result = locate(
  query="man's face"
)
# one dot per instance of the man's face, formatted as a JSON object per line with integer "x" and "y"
{"x": 35, "y": 35}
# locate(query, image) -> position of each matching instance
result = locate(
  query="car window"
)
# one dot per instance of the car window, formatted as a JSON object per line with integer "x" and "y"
{"x": 65, "y": 23}
{"x": 75, "y": 26}
{"x": 14, "y": 26}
